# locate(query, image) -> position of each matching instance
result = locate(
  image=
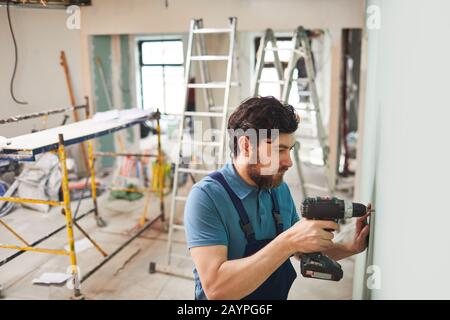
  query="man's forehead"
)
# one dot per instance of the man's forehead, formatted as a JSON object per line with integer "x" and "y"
{"x": 283, "y": 139}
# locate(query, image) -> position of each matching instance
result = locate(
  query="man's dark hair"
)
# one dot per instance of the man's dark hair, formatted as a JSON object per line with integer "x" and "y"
{"x": 261, "y": 113}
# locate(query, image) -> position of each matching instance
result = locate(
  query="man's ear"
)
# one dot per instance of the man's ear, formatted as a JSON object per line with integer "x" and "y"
{"x": 244, "y": 146}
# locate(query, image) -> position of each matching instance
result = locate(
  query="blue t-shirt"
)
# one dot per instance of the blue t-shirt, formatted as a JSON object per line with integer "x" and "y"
{"x": 210, "y": 217}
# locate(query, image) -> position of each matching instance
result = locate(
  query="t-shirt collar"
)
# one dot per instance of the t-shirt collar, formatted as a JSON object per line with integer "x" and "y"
{"x": 239, "y": 186}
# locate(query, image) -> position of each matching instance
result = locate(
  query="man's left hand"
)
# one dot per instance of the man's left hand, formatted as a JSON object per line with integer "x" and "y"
{"x": 359, "y": 243}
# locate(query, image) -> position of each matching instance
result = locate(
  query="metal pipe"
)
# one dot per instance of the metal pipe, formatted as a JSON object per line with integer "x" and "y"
{"x": 39, "y": 114}
{"x": 96, "y": 245}
{"x": 24, "y": 200}
{"x": 15, "y": 233}
{"x": 100, "y": 222}
{"x": 68, "y": 215}
{"x": 41, "y": 250}
{"x": 161, "y": 169}
{"x": 15, "y": 255}
{"x": 121, "y": 154}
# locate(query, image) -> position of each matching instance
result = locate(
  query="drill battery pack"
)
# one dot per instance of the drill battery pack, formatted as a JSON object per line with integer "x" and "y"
{"x": 319, "y": 266}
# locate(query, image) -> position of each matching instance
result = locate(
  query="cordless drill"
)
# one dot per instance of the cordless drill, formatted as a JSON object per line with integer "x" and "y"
{"x": 317, "y": 265}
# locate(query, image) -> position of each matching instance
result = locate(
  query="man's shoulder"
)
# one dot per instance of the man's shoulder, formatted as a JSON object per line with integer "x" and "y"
{"x": 208, "y": 186}
{"x": 202, "y": 199}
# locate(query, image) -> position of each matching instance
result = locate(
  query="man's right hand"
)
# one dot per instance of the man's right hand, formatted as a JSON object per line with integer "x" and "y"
{"x": 308, "y": 236}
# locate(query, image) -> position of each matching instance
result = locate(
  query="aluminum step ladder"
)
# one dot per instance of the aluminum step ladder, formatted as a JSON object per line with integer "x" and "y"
{"x": 300, "y": 48}
{"x": 217, "y": 116}
{"x": 267, "y": 39}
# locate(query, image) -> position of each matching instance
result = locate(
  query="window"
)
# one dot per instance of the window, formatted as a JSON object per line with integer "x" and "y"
{"x": 162, "y": 75}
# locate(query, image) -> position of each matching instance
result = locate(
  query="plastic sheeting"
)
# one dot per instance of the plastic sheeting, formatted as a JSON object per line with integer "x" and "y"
{"x": 40, "y": 180}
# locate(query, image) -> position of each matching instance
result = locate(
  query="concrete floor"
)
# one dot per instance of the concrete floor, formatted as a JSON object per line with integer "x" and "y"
{"x": 126, "y": 276}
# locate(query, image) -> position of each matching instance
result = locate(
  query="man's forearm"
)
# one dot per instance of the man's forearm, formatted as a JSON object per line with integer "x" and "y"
{"x": 339, "y": 251}
{"x": 238, "y": 278}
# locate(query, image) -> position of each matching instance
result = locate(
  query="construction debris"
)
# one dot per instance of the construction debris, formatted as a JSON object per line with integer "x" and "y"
{"x": 49, "y": 278}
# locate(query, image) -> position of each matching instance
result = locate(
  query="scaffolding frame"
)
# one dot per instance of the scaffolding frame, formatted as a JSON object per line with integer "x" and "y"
{"x": 70, "y": 222}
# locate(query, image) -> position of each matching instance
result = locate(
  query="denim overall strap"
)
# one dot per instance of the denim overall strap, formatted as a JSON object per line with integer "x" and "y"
{"x": 244, "y": 220}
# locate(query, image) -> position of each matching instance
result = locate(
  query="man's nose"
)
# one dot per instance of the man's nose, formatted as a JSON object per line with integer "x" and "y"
{"x": 286, "y": 161}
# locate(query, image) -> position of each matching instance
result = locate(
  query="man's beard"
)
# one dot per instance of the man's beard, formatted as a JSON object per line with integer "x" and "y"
{"x": 265, "y": 181}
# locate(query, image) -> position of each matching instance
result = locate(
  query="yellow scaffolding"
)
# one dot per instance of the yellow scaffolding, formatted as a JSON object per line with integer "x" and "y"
{"x": 70, "y": 223}
{"x": 159, "y": 177}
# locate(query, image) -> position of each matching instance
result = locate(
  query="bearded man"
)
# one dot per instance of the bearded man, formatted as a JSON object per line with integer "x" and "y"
{"x": 241, "y": 222}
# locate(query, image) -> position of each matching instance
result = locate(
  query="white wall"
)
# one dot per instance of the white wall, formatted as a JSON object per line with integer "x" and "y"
{"x": 407, "y": 116}
{"x": 151, "y": 16}
{"x": 41, "y": 35}
{"x": 140, "y": 17}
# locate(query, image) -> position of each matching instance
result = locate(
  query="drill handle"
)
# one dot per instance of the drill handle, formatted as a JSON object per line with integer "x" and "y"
{"x": 312, "y": 255}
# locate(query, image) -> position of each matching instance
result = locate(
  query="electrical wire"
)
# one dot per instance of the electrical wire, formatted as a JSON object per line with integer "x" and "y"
{"x": 16, "y": 57}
